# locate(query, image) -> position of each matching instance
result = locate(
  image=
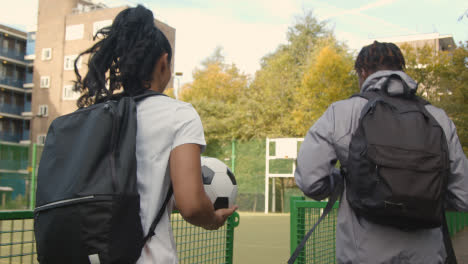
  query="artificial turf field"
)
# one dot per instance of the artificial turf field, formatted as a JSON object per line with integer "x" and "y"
{"x": 261, "y": 238}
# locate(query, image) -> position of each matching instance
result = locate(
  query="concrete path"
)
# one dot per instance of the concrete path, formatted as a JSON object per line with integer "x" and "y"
{"x": 460, "y": 245}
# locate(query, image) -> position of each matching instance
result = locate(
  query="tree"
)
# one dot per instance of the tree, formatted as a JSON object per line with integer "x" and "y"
{"x": 443, "y": 80}
{"x": 329, "y": 78}
{"x": 453, "y": 91}
{"x": 272, "y": 93}
{"x": 215, "y": 92}
{"x": 271, "y": 96}
{"x": 425, "y": 65}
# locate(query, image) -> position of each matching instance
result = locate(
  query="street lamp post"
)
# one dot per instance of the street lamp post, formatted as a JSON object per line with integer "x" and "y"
{"x": 177, "y": 89}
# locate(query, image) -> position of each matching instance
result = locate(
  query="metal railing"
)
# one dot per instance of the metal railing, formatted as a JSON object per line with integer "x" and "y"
{"x": 11, "y": 108}
{"x": 11, "y": 82}
{"x": 12, "y": 54}
{"x": 194, "y": 244}
{"x": 320, "y": 248}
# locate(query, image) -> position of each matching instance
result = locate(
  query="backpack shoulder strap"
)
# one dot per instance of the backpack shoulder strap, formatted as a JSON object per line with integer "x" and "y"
{"x": 158, "y": 216}
{"x": 421, "y": 100}
{"x": 369, "y": 95}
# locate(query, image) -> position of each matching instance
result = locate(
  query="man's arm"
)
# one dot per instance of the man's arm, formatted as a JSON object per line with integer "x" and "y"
{"x": 457, "y": 196}
{"x": 317, "y": 158}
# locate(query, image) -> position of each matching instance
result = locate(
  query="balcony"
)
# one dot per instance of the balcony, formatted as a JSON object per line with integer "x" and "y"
{"x": 11, "y": 82}
{"x": 12, "y": 109}
{"x": 28, "y": 83}
{"x": 30, "y": 46}
{"x": 25, "y": 135}
{"x": 27, "y": 107}
{"x": 12, "y": 54}
{"x": 7, "y": 136}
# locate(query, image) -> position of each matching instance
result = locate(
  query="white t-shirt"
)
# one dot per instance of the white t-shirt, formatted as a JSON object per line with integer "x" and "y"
{"x": 163, "y": 124}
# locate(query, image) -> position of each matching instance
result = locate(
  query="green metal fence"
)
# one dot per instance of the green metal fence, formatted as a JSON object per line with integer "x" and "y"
{"x": 194, "y": 244}
{"x": 320, "y": 248}
{"x": 19, "y": 163}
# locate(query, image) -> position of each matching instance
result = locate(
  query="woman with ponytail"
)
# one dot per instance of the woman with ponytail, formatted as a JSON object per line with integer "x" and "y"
{"x": 133, "y": 56}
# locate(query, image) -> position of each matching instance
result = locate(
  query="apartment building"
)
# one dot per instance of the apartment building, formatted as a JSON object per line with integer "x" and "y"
{"x": 436, "y": 41}
{"x": 66, "y": 28}
{"x": 15, "y": 85}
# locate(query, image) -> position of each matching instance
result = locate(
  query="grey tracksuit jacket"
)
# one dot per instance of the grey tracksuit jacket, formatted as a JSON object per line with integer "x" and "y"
{"x": 357, "y": 240}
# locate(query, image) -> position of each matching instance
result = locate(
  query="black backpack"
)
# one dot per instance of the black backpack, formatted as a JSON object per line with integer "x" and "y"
{"x": 398, "y": 165}
{"x": 87, "y": 203}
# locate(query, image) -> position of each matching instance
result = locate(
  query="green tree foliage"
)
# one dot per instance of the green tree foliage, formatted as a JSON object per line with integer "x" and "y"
{"x": 273, "y": 92}
{"x": 443, "y": 80}
{"x": 294, "y": 86}
{"x": 453, "y": 91}
{"x": 215, "y": 93}
{"x": 329, "y": 78}
{"x": 271, "y": 96}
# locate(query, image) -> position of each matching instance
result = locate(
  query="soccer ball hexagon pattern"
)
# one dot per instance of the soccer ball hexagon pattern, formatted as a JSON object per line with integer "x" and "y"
{"x": 219, "y": 182}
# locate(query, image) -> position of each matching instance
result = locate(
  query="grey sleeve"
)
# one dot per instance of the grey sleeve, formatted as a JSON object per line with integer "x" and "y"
{"x": 317, "y": 158}
{"x": 457, "y": 196}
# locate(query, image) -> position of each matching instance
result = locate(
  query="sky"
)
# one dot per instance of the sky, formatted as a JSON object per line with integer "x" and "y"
{"x": 247, "y": 30}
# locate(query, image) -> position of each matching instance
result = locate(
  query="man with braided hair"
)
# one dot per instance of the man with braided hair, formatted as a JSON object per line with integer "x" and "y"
{"x": 380, "y": 66}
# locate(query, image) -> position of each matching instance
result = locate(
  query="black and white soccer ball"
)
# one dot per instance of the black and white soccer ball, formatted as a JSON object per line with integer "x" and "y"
{"x": 219, "y": 182}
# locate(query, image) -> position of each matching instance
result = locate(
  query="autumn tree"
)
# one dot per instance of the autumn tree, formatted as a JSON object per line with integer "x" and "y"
{"x": 329, "y": 78}
{"x": 215, "y": 92}
{"x": 453, "y": 91}
{"x": 442, "y": 77}
{"x": 272, "y": 93}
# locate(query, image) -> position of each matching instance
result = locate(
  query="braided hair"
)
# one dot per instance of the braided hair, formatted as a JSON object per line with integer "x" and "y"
{"x": 379, "y": 56}
{"x": 125, "y": 57}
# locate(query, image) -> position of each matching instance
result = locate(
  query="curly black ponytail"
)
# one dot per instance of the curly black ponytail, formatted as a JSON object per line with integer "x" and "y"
{"x": 125, "y": 56}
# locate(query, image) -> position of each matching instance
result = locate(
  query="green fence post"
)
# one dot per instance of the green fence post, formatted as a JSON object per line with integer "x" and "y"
{"x": 32, "y": 189}
{"x": 295, "y": 221}
{"x": 449, "y": 218}
{"x": 233, "y": 156}
{"x": 232, "y": 222}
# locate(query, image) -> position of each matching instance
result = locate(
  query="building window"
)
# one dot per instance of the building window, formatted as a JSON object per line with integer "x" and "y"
{"x": 74, "y": 32}
{"x": 69, "y": 93}
{"x": 100, "y": 24}
{"x": 2, "y": 70}
{"x": 18, "y": 48}
{"x": 69, "y": 62}
{"x": 43, "y": 110}
{"x": 5, "y": 45}
{"x": 45, "y": 81}
{"x": 41, "y": 139}
{"x": 47, "y": 54}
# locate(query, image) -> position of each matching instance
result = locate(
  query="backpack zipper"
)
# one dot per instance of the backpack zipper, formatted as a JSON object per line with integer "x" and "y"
{"x": 115, "y": 128}
{"x": 62, "y": 202}
{"x": 71, "y": 201}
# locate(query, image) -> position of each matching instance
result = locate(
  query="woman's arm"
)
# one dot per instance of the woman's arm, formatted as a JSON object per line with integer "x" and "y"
{"x": 191, "y": 199}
